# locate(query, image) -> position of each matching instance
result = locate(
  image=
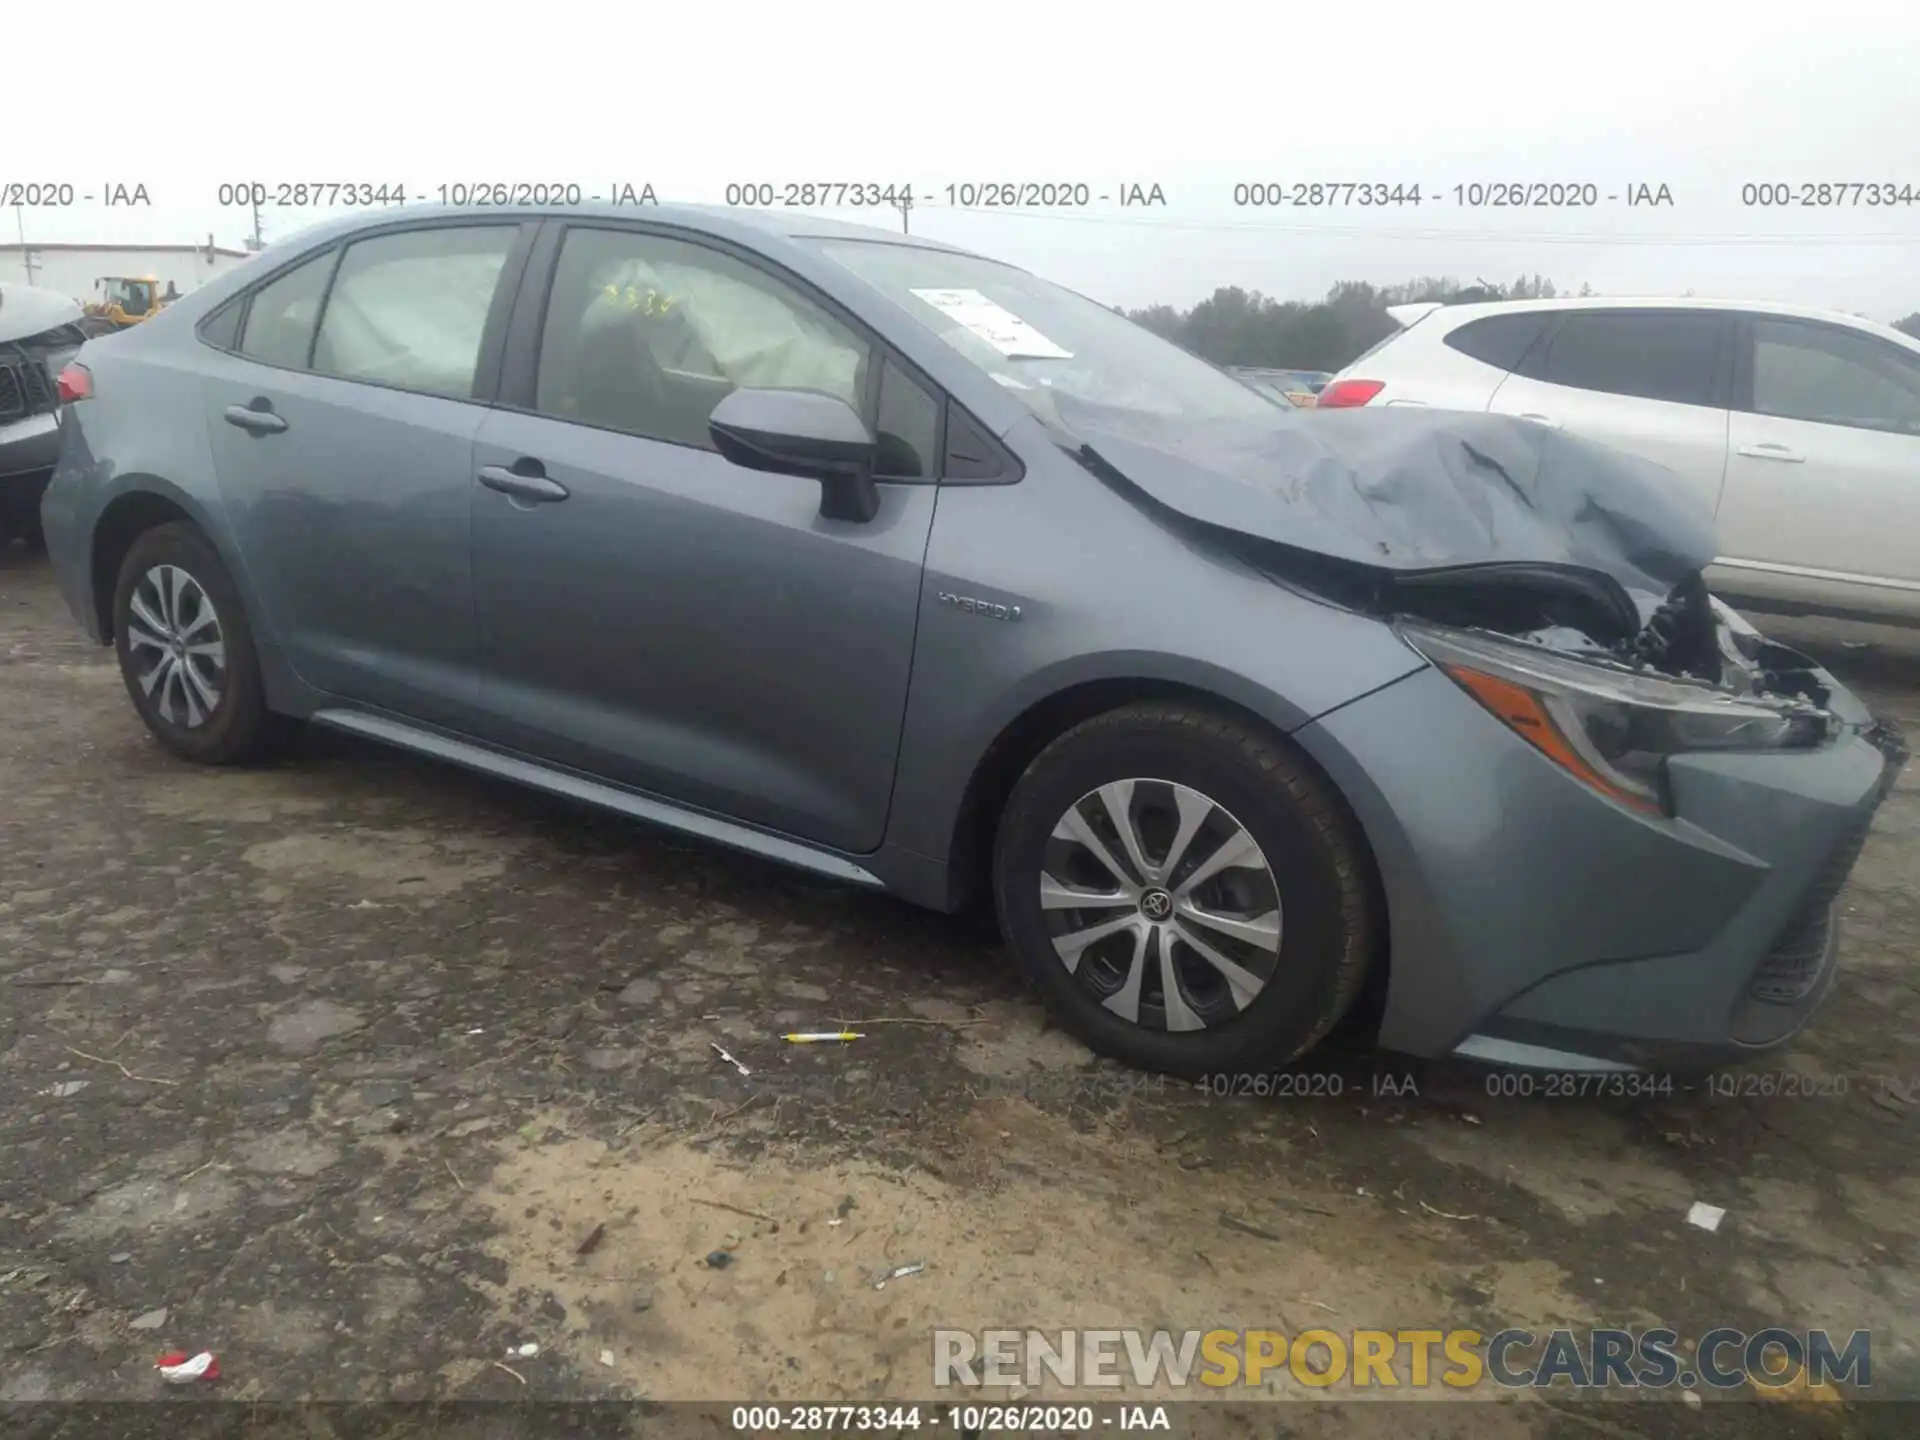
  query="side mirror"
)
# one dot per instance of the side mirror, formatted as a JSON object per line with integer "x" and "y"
{"x": 800, "y": 432}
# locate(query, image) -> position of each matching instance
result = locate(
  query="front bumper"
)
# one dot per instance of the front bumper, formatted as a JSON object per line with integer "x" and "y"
{"x": 69, "y": 510}
{"x": 1532, "y": 922}
{"x": 29, "y": 446}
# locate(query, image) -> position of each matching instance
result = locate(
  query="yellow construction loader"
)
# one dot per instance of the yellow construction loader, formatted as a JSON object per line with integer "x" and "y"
{"x": 124, "y": 300}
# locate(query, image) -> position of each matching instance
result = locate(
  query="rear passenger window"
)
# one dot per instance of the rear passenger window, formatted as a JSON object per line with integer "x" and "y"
{"x": 1653, "y": 354}
{"x": 908, "y": 430}
{"x": 409, "y": 310}
{"x": 281, "y": 317}
{"x": 1499, "y": 340}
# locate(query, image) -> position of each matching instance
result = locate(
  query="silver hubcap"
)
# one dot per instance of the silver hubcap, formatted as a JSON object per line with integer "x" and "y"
{"x": 1162, "y": 904}
{"x": 177, "y": 649}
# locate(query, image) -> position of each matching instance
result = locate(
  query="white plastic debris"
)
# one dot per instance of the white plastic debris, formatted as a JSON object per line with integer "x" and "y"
{"x": 61, "y": 1089}
{"x": 178, "y": 1368}
{"x": 527, "y": 1351}
{"x": 899, "y": 1272}
{"x": 606, "y": 1358}
{"x": 1707, "y": 1217}
{"x": 720, "y": 1050}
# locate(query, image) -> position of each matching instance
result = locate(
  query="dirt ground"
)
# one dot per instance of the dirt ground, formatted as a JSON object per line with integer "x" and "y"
{"x": 333, "y": 1067}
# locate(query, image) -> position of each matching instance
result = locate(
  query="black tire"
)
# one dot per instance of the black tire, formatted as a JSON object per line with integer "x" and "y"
{"x": 238, "y": 728}
{"x": 1318, "y": 863}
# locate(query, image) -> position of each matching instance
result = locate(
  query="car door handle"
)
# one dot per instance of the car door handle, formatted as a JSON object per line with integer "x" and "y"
{"x": 255, "y": 419}
{"x": 1545, "y": 420}
{"x": 1767, "y": 450}
{"x": 523, "y": 484}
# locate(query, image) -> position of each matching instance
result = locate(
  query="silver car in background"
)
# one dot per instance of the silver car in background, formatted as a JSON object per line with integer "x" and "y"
{"x": 1798, "y": 429}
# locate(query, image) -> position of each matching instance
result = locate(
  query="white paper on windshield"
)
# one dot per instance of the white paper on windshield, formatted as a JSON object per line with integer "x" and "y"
{"x": 994, "y": 323}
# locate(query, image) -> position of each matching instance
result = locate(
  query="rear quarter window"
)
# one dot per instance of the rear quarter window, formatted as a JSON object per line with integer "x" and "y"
{"x": 282, "y": 314}
{"x": 1501, "y": 341}
{"x": 222, "y": 328}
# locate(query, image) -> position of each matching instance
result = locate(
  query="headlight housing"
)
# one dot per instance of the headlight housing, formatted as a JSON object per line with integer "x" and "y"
{"x": 1612, "y": 729}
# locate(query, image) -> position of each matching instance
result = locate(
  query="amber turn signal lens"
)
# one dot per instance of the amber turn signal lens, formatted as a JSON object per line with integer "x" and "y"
{"x": 1521, "y": 711}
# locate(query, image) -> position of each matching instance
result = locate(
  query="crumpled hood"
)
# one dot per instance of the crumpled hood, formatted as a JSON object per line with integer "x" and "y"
{"x": 1406, "y": 489}
{"x": 27, "y": 310}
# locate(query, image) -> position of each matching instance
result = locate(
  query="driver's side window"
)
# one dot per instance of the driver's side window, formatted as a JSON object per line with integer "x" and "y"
{"x": 645, "y": 334}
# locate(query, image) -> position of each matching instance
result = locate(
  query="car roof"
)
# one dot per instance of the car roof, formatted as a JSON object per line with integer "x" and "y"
{"x": 1460, "y": 314}
{"x": 725, "y": 221}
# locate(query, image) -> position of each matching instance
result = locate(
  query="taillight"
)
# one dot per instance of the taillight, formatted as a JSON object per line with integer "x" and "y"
{"x": 1345, "y": 394}
{"x": 75, "y": 383}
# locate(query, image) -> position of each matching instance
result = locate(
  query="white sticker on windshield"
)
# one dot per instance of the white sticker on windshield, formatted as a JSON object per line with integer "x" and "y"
{"x": 994, "y": 323}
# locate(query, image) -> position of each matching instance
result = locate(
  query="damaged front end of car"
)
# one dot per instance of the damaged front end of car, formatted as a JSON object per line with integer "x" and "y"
{"x": 1612, "y": 718}
{"x": 1559, "y": 583}
{"x": 1562, "y": 656}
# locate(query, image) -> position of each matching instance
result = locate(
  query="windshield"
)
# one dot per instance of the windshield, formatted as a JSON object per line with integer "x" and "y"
{"x": 129, "y": 295}
{"x": 1041, "y": 341}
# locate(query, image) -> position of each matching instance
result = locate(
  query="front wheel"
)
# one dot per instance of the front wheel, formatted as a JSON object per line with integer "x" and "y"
{"x": 1185, "y": 892}
{"x": 186, "y": 651}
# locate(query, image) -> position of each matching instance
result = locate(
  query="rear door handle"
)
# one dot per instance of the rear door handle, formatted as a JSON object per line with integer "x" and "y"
{"x": 526, "y": 483}
{"x": 256, "y": 418}
{"x": 1545, "y": 420}
{"x": 1767, "y": 450}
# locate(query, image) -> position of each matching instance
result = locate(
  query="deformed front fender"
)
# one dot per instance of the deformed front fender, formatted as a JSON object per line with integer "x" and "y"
{"x": 1110, "y": 606}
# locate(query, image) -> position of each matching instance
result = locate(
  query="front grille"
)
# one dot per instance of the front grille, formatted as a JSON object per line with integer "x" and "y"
{"x": 40, "y": 391}
{"x": 1792, "y": 968}
{"x": 25, "y": 388}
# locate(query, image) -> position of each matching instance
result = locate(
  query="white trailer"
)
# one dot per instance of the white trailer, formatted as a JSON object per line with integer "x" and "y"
{"x": 77, "y": 269}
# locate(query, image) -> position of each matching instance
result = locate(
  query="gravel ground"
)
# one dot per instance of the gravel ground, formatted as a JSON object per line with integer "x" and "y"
{"x": 335, "y": 1067}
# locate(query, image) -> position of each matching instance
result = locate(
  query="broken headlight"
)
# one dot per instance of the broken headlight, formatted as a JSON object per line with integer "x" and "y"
{"x": 1611, "y": 728}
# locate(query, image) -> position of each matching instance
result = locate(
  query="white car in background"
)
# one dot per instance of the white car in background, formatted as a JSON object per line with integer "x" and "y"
{"x": 1799, "y": 428}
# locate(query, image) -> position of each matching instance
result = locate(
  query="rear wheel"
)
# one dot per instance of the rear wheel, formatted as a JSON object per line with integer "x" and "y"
{"x": 186, "y": 652}
{"x": 1187, "y": 895}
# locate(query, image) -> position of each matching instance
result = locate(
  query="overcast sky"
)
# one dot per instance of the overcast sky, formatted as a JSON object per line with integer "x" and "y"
{"x": 1702, "y": 98}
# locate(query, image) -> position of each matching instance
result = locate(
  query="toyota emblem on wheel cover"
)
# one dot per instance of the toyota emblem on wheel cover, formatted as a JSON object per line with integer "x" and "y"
{"x": 1156, "y": 905}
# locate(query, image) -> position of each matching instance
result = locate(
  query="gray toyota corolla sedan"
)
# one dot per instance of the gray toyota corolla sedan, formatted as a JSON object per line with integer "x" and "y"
{"x": 900, "y": 565}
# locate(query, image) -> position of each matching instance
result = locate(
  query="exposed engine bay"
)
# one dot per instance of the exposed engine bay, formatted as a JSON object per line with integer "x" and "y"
{"x": 1688, "y": 636}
